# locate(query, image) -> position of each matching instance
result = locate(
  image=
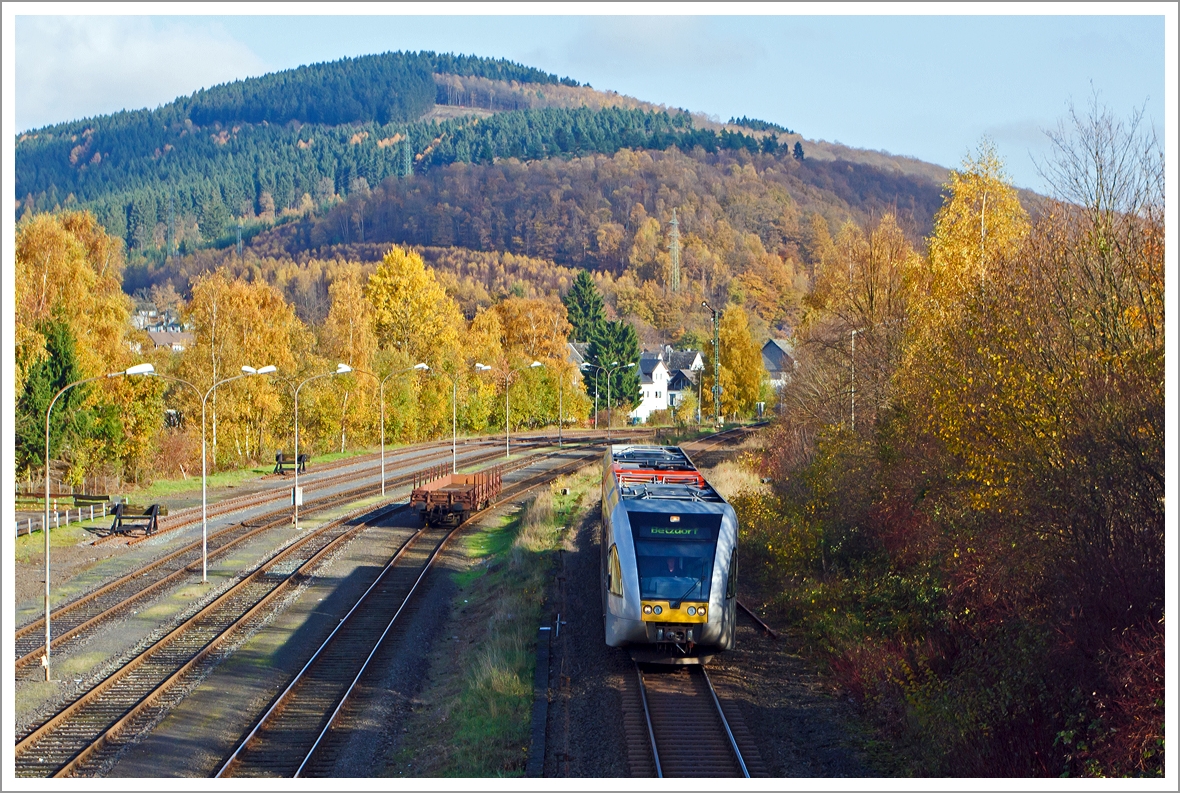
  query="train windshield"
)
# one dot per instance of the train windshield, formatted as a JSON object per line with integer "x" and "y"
{"x": 674, "y": 554}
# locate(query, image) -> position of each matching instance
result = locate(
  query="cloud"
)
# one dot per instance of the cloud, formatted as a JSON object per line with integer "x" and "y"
{"x": 70, "y": 67}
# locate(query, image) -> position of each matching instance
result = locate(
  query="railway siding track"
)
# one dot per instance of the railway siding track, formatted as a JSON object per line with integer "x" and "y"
{"x": 279, "y": 492}
{"x": 293, "y": 737}
{"x": 60, "y": 745}
{"x": 79, "y": 617}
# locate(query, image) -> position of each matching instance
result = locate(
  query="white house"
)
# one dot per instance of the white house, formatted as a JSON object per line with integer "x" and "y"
{"x": 684, "y": 367}
{"x": 664, "y": 377}
{"x": 653, "y": 385}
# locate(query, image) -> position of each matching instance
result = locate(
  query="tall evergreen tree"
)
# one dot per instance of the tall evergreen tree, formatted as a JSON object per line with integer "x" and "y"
{"x": 57, "y": 369}
{"x": 584, "y": 307}
{"x": 615, "y": 346}
{"x": 798, "y": 151}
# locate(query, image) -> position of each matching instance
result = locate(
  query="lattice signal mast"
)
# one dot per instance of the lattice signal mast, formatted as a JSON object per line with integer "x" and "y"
{"x": 674, "y": 249}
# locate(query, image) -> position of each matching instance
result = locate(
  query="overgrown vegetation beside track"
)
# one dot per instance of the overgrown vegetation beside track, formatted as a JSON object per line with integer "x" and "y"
{"x": 478, "y": 710}
{"x": 978, "y": 555}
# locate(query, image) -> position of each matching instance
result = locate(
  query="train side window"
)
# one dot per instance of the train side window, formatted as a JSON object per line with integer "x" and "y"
{"x": 731, "y": 584}
{"x": 614, "y": 574}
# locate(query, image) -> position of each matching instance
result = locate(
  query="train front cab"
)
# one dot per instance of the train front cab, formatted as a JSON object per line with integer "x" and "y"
{"x": 669, "y": 579}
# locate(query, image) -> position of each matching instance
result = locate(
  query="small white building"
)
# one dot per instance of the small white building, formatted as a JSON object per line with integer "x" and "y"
{"x": 664, "y": 377}
{"x": 653, "y": 386}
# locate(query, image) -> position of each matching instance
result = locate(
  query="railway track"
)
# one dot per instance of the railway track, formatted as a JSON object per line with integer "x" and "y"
{"x": 689, "y": 733}
{"x": 69, "y": 739}
{"x": 83, "y": 616}
{"x": 293, "y": 736}
{"x": 279, "y": 491}
{"x": 78, "y": 738}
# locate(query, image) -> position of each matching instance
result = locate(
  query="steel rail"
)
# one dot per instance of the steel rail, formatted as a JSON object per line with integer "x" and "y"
{"x": 65, "y": 609}
{"x": 725, "y": 723}
{"x": 770, "y": 632}
{"x": 655, "y": 752}
{"x": 282, "y": 701}
{"x": 59, "y": 719}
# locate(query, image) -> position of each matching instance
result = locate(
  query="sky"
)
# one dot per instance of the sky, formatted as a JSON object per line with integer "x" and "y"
{"x": 929, "y": 87}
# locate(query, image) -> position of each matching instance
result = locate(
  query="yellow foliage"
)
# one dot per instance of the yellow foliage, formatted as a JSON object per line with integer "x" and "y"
{"x": 742, "y": 371}
{"x": 411, "y": 311}
{"x": 68, "y": 267}
{"x": 242, "y": 323}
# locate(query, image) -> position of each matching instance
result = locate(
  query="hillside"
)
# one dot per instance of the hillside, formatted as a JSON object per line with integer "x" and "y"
{"x": 477, "y": 155}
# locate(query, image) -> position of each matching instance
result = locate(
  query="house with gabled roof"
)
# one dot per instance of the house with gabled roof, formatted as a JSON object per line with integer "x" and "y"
{"x": 653, "y": 386}
{"x": 778, "y": 357}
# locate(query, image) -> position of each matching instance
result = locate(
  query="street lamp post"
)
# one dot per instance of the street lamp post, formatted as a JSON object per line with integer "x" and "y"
{"x": 610, "y": 415}
{"x": 138, "y": 369}
{"x": 421, "y": 367}
{"x": 247, "y": 371}
{"x": 598, "y": 370}
{"x": 341, "y": 368}
{"x": 507, "y": 379}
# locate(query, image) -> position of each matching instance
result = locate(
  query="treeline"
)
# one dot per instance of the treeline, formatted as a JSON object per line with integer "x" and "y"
{"x": 759, "y": 124}
{"x": 381, "y": 320}
{"x": 394, "y": 87}
{"x": 181, "y": 184}
{"x": 748, "y": 230}
{"x": 967, "y": 523}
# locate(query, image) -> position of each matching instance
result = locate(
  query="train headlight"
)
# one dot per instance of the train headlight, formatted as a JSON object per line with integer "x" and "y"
{"x": 647, "y": 609}
{"x": 692, "y": 611}
{"x": 659, "y": 609}
{"x": 701, "y": 611}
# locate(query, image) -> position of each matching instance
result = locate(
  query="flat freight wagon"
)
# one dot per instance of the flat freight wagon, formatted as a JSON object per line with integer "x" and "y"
{"x": 442, "y": 498}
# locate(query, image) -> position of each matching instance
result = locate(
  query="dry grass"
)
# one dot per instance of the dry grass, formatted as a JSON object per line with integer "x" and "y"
{"x": 481, "y": 717}
{"x": 733, "y": 477}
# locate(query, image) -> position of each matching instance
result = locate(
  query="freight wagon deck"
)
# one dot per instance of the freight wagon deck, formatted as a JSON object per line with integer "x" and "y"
{"x": 446, "y": 499}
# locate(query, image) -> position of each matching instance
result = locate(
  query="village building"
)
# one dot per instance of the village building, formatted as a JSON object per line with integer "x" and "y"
{"x": 665, "y": 376}
{"x": 174, "y": 340}
{"x": 778, "y": 358}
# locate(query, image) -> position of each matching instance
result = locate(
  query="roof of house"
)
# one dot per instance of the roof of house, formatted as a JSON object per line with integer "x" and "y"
{"x": 169, "y": 339}
{"x": 578, "y": 351}
{"x": 682, "y": 380}
{"x": 684, "y": 359}
{"x": 649, "y": 362}
{"x": 778, "y": 356}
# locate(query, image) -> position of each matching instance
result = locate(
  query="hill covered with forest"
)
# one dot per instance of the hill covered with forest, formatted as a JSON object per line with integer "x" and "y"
{"x": 479, "y": 157}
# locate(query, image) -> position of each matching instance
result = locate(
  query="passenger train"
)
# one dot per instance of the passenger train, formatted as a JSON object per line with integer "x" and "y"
{"x": 669, "y": 557}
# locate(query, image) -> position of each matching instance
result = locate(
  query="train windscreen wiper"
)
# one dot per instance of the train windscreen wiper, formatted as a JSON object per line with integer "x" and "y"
{"x": 676, "y": 603}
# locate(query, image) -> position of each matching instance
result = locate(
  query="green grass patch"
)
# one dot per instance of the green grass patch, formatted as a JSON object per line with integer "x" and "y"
{"x": 479, "y": 719}
{"x": 30, "y": 546}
